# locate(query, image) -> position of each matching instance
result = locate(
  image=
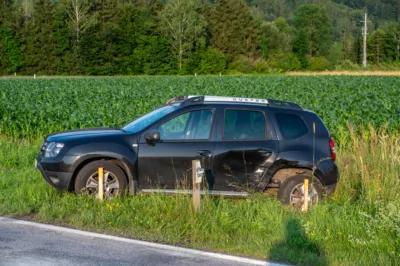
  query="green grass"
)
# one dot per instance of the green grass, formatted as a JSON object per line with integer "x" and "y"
{"x": 358, "y": 225}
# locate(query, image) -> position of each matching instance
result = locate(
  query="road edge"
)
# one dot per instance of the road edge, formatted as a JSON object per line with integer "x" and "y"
{"x": 140, "y": 242}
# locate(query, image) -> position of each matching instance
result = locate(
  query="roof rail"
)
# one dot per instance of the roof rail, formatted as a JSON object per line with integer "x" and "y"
{"x": 176, "y": 99}
{"x": 191, "y": 99}
{"x": 234, "y": 99}
{"x": 277, "y": 103}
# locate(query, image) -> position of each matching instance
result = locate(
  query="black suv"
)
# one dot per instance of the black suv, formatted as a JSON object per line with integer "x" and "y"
{"x": 244, "y": 145}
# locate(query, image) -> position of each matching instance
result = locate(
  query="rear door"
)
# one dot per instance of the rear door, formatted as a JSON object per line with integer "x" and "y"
{"x": 245, "y": 150}
{"x": 186, "y": 136}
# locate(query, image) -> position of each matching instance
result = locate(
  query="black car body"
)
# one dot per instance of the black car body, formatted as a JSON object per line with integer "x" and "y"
{"x": 244, "y": 144}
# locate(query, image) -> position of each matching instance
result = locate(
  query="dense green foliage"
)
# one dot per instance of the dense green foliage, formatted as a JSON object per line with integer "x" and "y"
{"x": 36, "y": 107}
{"x": 114, "y": 37}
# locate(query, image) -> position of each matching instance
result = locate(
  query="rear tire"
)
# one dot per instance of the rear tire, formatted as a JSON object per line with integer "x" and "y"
{"x": 291, "y": 191}
{"x": 114, "y": 179}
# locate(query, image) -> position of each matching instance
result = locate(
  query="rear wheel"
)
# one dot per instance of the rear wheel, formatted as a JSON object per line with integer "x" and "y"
{"x": 114, "y": 179}
{"x": 291, "y": 192}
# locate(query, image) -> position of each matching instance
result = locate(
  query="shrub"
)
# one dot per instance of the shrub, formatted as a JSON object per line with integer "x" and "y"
{"x": 319, "y": 64}
{"x": 212, "y": 61}
{"x": 285, "y": 62}
{"x": 241, "y": 65}
{"x": 261, "y": 66}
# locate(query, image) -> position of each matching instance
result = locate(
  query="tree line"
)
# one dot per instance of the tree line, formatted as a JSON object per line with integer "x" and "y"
{"x": 134, "y": 37}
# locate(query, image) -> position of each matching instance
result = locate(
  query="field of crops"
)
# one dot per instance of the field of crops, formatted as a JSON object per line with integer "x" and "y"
{"x": 36, "y": 107}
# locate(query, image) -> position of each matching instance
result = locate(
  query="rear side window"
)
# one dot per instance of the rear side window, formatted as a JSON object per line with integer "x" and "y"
{"x": 243, "y": 124}
{"x": 291, "y": 126}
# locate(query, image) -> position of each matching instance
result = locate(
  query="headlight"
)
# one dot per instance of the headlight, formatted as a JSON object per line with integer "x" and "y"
{"x": 53, "y": 149}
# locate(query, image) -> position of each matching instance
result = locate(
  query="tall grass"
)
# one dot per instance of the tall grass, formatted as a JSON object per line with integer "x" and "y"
{"x": 358, "y": 225}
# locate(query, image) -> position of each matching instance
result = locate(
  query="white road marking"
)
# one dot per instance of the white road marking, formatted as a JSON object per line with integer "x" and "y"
{"x": 140, "y": 242}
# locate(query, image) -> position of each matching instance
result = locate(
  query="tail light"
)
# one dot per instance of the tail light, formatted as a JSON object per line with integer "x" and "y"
{"x": 332, "y": 148}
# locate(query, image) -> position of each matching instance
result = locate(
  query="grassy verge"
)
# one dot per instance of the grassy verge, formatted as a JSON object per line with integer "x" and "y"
{"x": 358, "y": 225}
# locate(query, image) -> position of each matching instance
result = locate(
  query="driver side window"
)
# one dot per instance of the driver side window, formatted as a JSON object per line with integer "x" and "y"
{"x": 195, "y": 125}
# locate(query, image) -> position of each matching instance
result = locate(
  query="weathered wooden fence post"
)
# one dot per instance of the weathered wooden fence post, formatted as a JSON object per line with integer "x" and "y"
{"x": 197, "y": 176}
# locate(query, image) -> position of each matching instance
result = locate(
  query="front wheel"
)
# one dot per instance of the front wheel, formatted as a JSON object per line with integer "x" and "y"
{"x": 291, "y": 192}
{"x": 114, "y": 179}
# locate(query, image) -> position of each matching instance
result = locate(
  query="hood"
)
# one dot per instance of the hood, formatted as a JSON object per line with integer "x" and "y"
{"x": 83, "y": 134}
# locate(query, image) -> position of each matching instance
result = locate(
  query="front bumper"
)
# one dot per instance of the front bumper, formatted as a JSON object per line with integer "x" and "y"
{"x": 58, "y": 179}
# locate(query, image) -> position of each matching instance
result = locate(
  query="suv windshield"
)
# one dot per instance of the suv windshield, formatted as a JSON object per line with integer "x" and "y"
{"x": 149, "y": 118}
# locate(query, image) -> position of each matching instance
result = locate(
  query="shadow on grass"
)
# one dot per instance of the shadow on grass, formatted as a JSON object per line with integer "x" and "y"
{"x": 297, "y": 248}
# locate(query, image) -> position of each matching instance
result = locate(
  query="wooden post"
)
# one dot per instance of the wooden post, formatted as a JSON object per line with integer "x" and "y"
{"x": 101, "y": 188}
{"x": 305, "y": 206}
{"x": 197, "y": 176}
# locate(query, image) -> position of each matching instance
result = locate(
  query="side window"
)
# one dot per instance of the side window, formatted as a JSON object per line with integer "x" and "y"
{"x": 291, "y": 126}
{"x": 195, "y": 125}
{"x": 242, "y": 124}
{"x": 176, "y": 125}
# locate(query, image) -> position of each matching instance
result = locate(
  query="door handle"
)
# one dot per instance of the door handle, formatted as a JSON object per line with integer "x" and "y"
{"x": 204, "y": 153}
{"x": 264, "y": 152}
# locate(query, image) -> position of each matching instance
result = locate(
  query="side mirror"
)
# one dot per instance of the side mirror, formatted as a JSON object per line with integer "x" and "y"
{"x": 152, "y": 137}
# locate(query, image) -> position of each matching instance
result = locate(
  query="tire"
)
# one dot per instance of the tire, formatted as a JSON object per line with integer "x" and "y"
{"x": 290, "y": 191}
{"x": 115, "y": 180}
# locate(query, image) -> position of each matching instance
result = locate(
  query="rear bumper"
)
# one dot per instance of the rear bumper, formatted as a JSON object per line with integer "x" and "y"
{"x": 330, "y": 189}
{"x": 328, "y": 173}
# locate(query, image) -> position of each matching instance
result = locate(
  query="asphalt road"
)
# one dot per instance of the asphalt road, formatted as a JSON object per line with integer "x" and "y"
{"x": 27, "y": 243}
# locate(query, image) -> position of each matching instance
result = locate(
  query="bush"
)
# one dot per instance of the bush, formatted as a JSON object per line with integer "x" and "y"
{"x": 241, "y": 65}
{"x": 285, "y": 62}
{"x": 212, "y": 61}
{"x": 261, "y": 66}
{"x": 347, "y": 65}
{"x": 319, "y": 64}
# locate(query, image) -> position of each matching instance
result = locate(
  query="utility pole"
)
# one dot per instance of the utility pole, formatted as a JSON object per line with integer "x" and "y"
{"x": 365, "y": 33}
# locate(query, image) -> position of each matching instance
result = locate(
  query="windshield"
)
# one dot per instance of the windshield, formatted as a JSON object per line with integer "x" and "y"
{"x": 149, "y": 118}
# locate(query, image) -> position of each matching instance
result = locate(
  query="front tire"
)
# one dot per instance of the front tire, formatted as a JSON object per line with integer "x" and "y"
{"x": 291, "y": 192}
{"x": 114, "y": 179}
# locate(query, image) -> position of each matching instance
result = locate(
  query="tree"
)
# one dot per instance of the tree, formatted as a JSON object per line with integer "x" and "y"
{"x": 233, "y": 30}
{"x": 28, "y": 7}
{"x": 349, "y": 48}
{"x": 271, "y": 9}
{"x": 183, "y": 26}
{"x": 38, "y": 39}
{"x": 376, "y": 46}
{"x": 301, "y": 47}
{"x": 393, "y": 41}
{"x": 101, "y": 41}
{"x": 80, "y": 19}
{"x": 275, "y": 38}
{"x": 315, "y": 23}
{"x": 141, "y": 49}
{"x": 10, "y": 53}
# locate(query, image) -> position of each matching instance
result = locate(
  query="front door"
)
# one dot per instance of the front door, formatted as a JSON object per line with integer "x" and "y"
{"x": 244, "y": 152}
{"x": 168, "y": 163}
